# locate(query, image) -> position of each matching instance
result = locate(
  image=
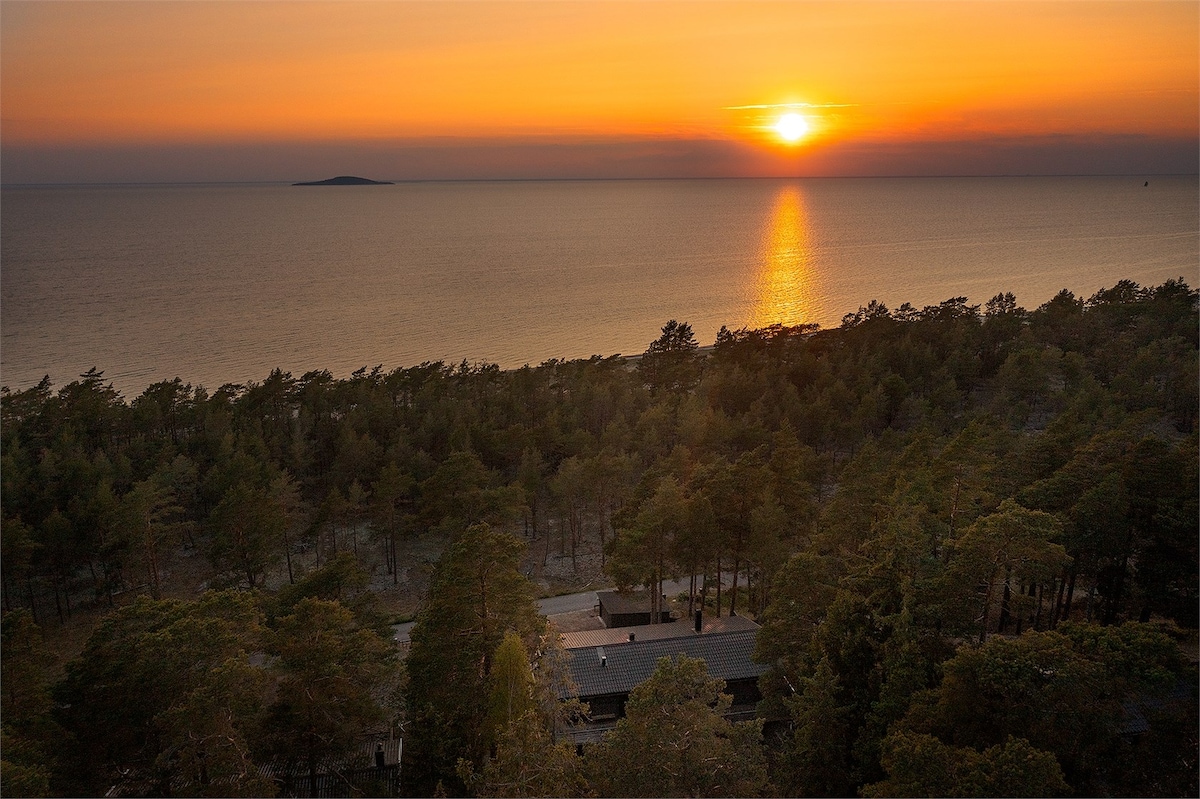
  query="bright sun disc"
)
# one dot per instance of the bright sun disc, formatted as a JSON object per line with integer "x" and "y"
{"x": 791, "y": 127}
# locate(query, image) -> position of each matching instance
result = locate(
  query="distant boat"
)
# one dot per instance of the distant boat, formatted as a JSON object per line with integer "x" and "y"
{"x": 346, "y": 180}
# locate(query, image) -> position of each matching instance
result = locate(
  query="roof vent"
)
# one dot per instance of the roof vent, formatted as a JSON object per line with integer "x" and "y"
{"x": 633, "y": 636}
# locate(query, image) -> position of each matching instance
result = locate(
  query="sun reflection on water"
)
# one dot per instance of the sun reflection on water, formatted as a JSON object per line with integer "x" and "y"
{"x": 785, "y": 287}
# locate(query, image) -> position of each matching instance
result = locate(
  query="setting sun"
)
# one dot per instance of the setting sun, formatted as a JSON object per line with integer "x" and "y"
{"x": 791, "y": 127}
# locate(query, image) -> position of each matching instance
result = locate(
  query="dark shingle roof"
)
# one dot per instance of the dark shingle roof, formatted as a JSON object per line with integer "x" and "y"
{"x": 649, "y": 632}
{"x": 629, "y": 664}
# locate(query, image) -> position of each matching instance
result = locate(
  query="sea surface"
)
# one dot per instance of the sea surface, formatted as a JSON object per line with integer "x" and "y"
{"x": 222, "y": 283}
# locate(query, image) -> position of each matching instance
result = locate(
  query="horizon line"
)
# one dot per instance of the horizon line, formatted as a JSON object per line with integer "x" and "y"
{"x": 288, "y": 182}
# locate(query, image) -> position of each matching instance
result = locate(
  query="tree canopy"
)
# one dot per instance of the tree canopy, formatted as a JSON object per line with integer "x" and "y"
{"x": 956, "y": 525}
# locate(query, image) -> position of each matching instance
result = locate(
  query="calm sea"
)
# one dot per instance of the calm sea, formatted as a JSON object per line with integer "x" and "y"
{"x": 222, "y": 283}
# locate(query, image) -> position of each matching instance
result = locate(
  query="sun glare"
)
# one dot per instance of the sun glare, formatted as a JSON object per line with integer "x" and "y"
{"x": 791, "y": 127}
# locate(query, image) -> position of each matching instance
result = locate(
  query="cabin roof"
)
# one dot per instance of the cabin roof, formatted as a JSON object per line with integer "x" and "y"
{"x": 619, "y": 668}
{"x": 651, "y": 632}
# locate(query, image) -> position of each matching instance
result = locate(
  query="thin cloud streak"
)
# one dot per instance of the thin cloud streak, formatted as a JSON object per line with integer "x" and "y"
{"x": 789, "y": 105}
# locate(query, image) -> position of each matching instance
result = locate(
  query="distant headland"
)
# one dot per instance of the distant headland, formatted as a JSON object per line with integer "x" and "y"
{"x": 346, "y": 180}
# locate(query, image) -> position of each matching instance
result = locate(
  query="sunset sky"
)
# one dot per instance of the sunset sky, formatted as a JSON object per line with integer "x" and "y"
{"x": 195, "y": 91}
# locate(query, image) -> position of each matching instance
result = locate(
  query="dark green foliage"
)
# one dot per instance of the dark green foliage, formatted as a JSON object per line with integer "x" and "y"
{"x": 1129, "y": 501}
{"x": 669, "y": 363}
{"x": 674, "y": 742}
{"x": 921, "y": 765}
{"x": 142, "y": 664}
{"x": 246, "y": 529}
{"x": 340, "y": 580}
{"x": 334, "y": 681}
{"x": 1012, "y": 545}
{"x": 461, "y": 492}
{"x": 816, "y": 760}
{"x": 477, "y": 596}
{"x": 884, "y": 493}
{"x": 195, "y": 697}
{"x": 642, "y": 552}
{"x": 1069, "y": 693}
{"x": 804, "y": 590}
{"x": 31, "y": 736}
{"x": 525, "y": 758}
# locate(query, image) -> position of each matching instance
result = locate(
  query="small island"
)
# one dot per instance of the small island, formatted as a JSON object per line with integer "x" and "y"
{"x": 346, "y": 180}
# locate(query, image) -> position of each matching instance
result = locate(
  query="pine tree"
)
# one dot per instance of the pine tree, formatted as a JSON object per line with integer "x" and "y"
{"x": 674, "y": 741}
{"x": 477, "y": 595}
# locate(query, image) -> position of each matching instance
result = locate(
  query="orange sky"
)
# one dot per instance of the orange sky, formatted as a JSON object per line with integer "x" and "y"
{"x": 877, "y": 77}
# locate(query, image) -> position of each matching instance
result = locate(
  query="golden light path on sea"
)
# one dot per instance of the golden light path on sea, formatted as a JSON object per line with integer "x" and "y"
{"x": 787, "y": 282}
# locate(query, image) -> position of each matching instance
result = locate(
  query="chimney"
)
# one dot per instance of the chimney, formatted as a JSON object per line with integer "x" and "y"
{"x": 699, "y": 622}
{"x": 380, "y": 761}
{"x": 632, "y": 636}
{"x": 603, "y": 657}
